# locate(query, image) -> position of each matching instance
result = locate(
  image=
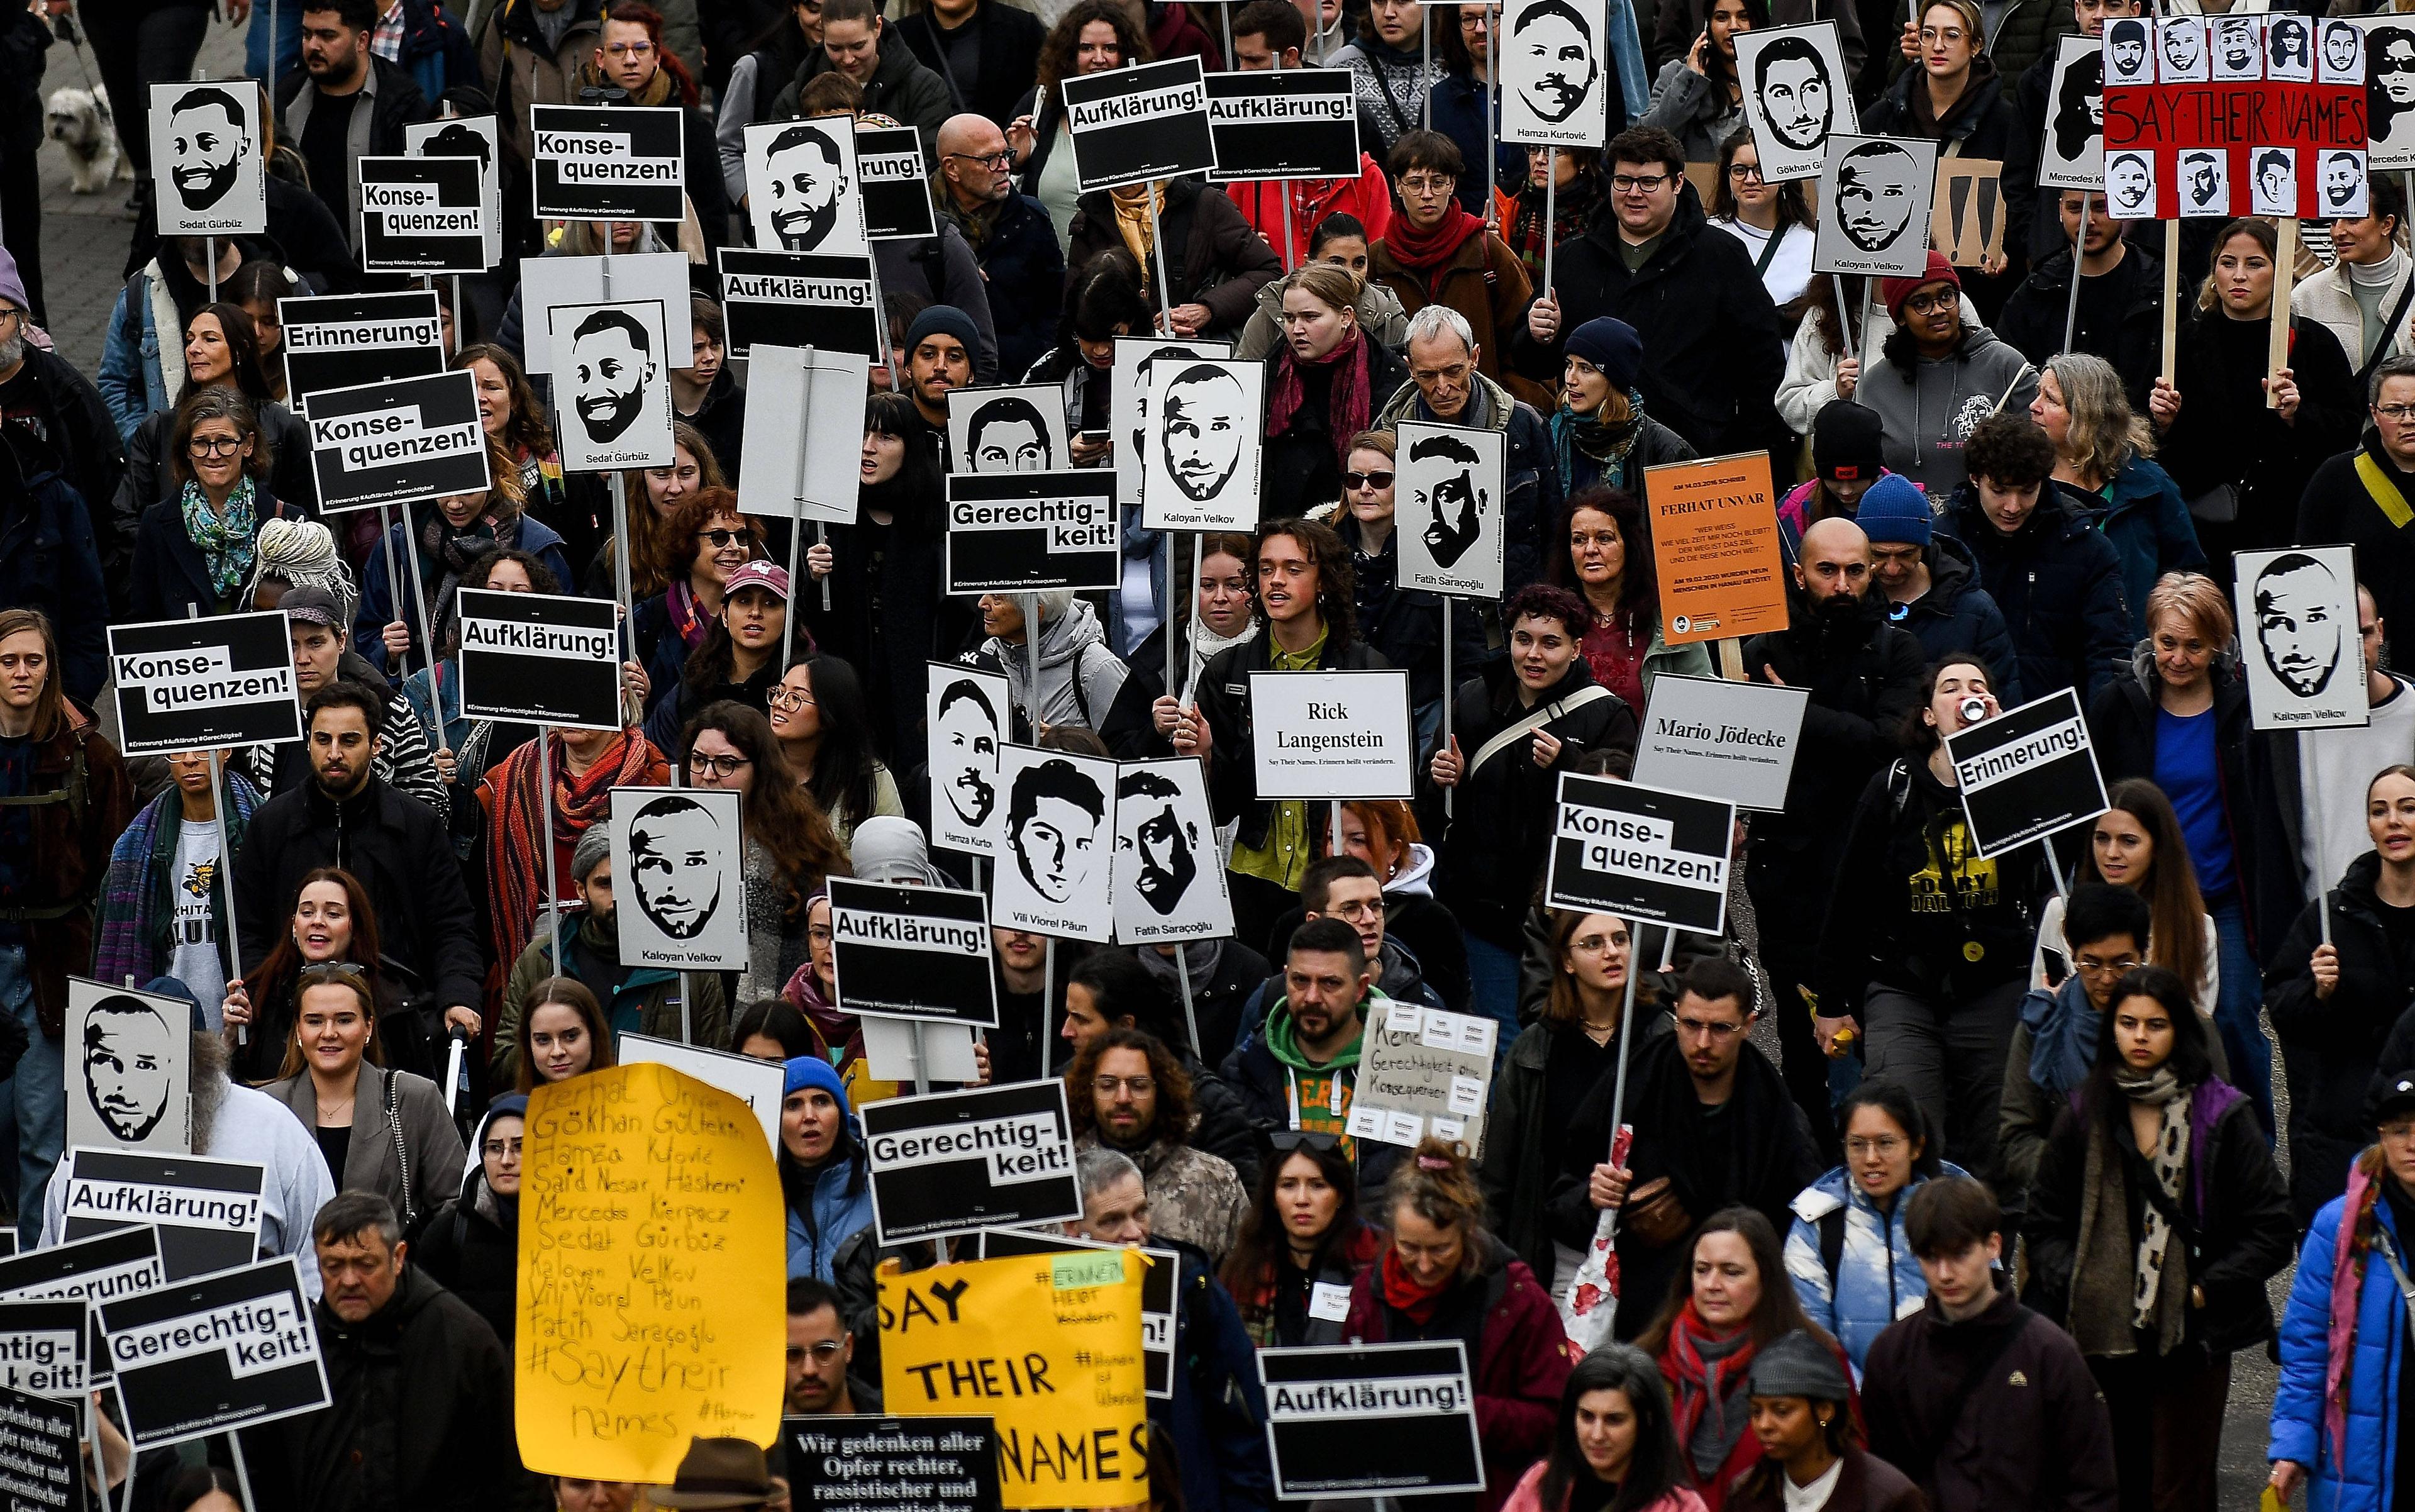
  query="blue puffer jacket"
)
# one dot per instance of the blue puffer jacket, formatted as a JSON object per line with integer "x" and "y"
{"x": 2357, "y": 1476}
{"x": 842, "y": 1206}
{"x": 2148, "y": 522}
{"x": 377, "y": 609}
{"x": 1878, "y": 1277}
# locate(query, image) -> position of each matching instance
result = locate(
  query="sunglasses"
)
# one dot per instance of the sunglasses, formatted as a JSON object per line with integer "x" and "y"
{"x": 1288, "y": 1141}
{"x": 1366, "y": 480}
{"x": 721, "y": 539}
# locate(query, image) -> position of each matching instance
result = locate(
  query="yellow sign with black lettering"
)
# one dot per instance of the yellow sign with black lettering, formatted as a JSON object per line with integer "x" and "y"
{"x": 653, "y": 1268}
{"x": 1048, "y": 1345}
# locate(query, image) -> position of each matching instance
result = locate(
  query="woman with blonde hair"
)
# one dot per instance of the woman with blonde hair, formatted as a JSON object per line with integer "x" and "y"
{"x": 1327, "y": 380}
{"x": 2104, "y": 457}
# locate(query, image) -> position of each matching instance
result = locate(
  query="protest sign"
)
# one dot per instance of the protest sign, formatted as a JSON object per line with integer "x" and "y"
{"x": 896, "y": 186}
{"x": 989, "y": 1156}
{"x": 540, "y": 658}
{"x": 918, "y": 953}
{"x": 218, "y": 1352}
{"x": 758, "y": 1084}
{"x": 1024, "y": 533}
{"x": 1448, "y": 519}
{"x": 1707, "y": 734}
{"x": 478, "y": 138}
{"x": 802, "y": 192}
{"x": 1200, "y": 466}
{"x": 1967, "y": 221}
{"x": 1016, "y": 430}
{"x": 810, "y": 469}
{"x": 2298, "y": 637}
{"x": 1643, "y": 853}
{"x": 796, "y": 299}
{"x": 2071, "y": 155}
{"x": 192, "y": 684}
{"x": 129, "y": 1068}
{"x": 1055, "y": 867}
{"x": 2026, "y": 774}
{"x": 1874, "y": 206}
{"x": 892, "y": 1464}
{"x": 1797, "y": 92}
{"x": 675, "y": 856}
{"x": 1714, "y": 548}
{"x": 608, "y": 162}
{"x": 1556, "y": 87}
{"x": 120, "y": 1262}
{"x": 1423, "y": 1072}
{"x": 1169, "y": 877}
{"x": 41, "y": 1458}
{"x": 1288, "y": 124}
{"x": 900, "y": 1050}
{"x": 205, "y": 157}
{"x": 45, "y": 1349}
{"x": 398, "y": 442}
{"x": 1049, "y": 1347}
{"x": 672, "y": 1177}
{"x": 1158, "y": 1315}
{"x": 634, "y": 281}
{"x": 1144, "y": 121}
{"x": 1371, "y": 1420}
{"x": 612, "y": 385}
{"x": 968, "y": 715}
{"x": 344, "y": 340}
{"x": 207, "y": 1211}
{"x": 1331, "y": 735}
{"x": 1128, "y": 383}
{"x": 422, "y": 215}
{"x": 2389, "y": 88}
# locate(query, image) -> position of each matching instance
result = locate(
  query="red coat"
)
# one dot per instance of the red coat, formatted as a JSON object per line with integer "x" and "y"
{"x": 1177, "y": 33}
{"x": 1520, "y": 1362}
{"x": 1368, "y": 197}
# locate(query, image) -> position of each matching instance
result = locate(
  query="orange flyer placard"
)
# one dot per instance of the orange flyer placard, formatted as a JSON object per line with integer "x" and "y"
{"x": 1715, "y": 544}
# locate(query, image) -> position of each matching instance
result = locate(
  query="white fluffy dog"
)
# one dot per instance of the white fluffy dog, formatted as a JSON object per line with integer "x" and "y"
{"x": 78, "y": 121}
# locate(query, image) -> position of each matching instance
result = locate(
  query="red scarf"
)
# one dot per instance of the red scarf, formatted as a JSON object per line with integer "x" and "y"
{"x": 1349, "y": 404}
{"x": 515, "y": 813}
{"x": 1701, "y": 1385}
{"x": 1422, "y": 252}
{"x": 1403, "y": 1293}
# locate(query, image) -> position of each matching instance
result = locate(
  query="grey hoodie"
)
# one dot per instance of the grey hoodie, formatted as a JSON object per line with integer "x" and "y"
{"x": 1930, "y": 412}
{"x": 1071, "y": 650}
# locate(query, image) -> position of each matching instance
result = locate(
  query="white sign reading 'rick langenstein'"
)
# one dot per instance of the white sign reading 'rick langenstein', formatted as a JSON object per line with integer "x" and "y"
{"x": 1056, "y": 867}
{"x": 1553, "y": 72}
{"x": 1713, "y": 737}
{"x": 205, "y": 168}
{"x": 1169, "y": 877}
{"x": 678, "y": 879}
{"x": 969, "y": 714}
{"x": 2298, "y": 637}
{"x": 1331, "y": 735}
{"x": 1449, "y": 518}
{"x": 613, "y": 383}
{"x": 1796, "y": 95}
{"x": 129, "y": 1068}
{"x": 1200, "y": 462}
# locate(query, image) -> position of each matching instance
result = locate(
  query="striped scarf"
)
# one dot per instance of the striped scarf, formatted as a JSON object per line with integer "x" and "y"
{"x": 134, "y": 908}
{"x": 514, "y": 815}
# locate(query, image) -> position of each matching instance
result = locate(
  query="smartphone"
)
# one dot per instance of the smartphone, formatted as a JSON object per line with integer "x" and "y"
{"x": 1096, "y": 438}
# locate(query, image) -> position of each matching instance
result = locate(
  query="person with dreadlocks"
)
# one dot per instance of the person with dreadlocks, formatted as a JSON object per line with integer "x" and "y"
{"x": 298, "y": 553}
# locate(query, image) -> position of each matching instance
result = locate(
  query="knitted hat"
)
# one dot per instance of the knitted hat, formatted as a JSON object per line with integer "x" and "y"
{"x": 594, "y": 847}
{"x": 1894, "y": 291}
{"x": 1845, "y": 441}
{"x": 943, "y": 320}
{"x": 13, "y": 284}
{"x": 1611, "y": 345}
{"x": 812, "y": 1071}
{"x": 1797, "y": 1365}
{"x": 1895, "y": 512}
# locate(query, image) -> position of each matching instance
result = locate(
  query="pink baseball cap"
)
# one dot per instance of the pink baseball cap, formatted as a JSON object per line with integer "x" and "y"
{"x": 757, "y": 573}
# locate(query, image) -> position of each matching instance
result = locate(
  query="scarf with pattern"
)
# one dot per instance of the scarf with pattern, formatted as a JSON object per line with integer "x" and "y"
{"x": 224, "y": 536}
{"x": 1348, "y": 405}
{"x": 1606, "y": 446}
{"x": 515, "y": 814}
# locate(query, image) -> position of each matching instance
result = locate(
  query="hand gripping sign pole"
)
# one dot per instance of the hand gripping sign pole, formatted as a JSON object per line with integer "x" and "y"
{"x": 222, "y": 799}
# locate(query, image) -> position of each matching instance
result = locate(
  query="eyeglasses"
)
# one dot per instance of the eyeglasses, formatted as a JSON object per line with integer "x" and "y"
{"x": 789, "y": 698}
{"x": 336, "y": 969}
{"x": 998, "y": 161}
{"x": 501, "y": 1149}
{"x": 1931, "y": 303}
{"x": 720, "y": 766}
{"x": 1596, "y": 943}
{"x": 2397, "y": 414}
{"x": 1139, "y": 1086}
{"x": 1366, "y": 480}
{"x": 1744, "y": 170}
{"x": 1364, "y": 909}
{"x": 214, "y": 445}
{"x": 1705, "y": 1029}
{"x": 1426, "y": 183}
{"x": 721, "y": 540}
{"x": 2090, "y": 966}
{"x": 1638, "y": 183}
{"x": 1884, "y": 1145}
{"x": 818, "y": 933}
{"x": 629, "y": 50}
{"x": 822, "y": 1353}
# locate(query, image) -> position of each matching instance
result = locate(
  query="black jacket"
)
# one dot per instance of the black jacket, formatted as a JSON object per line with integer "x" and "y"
{"x": 2058, "y": 581}
{"x": 1494, "y": 846}
{"x": 465, "y": 1246}
{"x": 150, "y": 475}
{"x": 1865, "y": 680}
{"x": 1959, "y": 615}
{"x": 1023, "y": 268}
{"x": 170, "y": 575}
{"x": 86, "y": 454}
{"x": 2338, "y": 507}
{"x": 49, "y": 561}
{"x": 1712, "y": 354}
{"x": 1010, "y": 57}
{"x": 1213, "y": 256}
{"x": 1300, "y": 469}
{"x": 1523, "y": 1155}
{"x": 1224, "y": 703}
{"x": 2225, "y": 435}
{"x": 1224, "y": 975}
{"x": 1406, "y": 624}
{"x": 397, "y": 847}
{"x": 1981, "y": 121}
{"x": 2033, "y": 319}
{"x": 395, "y": 104}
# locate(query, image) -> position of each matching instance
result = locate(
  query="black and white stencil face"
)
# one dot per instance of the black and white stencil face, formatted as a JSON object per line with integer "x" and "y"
{"x": 2276, "y": 182}
{"x": 2390, "y": 90}
{"x": 1455, "y": 505}
{"x": 611, "y": 367}
{"x": 2079, "y": 108}
{"x": 2343, "y": 51}
{"x": 2298, "y": 626}
{"x": 1052, "y": 819}
{"x": 1878, "y": 188}
{"x": 1560, "y": 42}
{"x": 2183, "y": 47}
{"x": 2343, "y": 183}
{"x": 2205, "y": 181}
{"x": 2289, "y": 47}
{"x": 1201, "y": 430}
{"x": 130, "y": 1059}
{"x": 206, "y": 134}
{"x": 1797, "y": 93}
{"x": 963, "y": 754}
{"x": 2129, "y": 184}
{"x": 1008, "y": 435}
{"x": 675, "y": 846}
{"x": 2238, "y": 47}
{"x": 2126, "y": 52}
{"x": 808, "y": 181}
{"x": 1162, "y": 851}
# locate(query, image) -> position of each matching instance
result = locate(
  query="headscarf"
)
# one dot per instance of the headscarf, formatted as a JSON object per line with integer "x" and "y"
{"x": 224, "y": 536}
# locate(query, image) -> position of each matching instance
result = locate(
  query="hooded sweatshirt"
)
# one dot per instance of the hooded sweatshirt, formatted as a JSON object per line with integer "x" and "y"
{"x": 1930, "y": 412}
{"x": 1078, "y": 674}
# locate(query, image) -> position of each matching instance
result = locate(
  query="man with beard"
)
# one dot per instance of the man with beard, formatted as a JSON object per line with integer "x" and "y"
{"x": 675, "y": 848}
{"x": 206, "y": 134}
{"x": 1129, "y": 1092}
{"x": 2131, "y": 178}
{"x": 1878, "y": 188}
{"x": 1203, "y": 429}
{"x": 963, "y": 754}
{"x": 2121, "y": 310}
{"x": 346, "y": 103}
{"x": 2185, "y": 59}
{"x": 1009, "y": 235}
{"x": 2343, "y": 52}
{"x": 807, "y": 185}
{"x": 1797, "y": 97}
{"x": 940, "y": 347}
{"x": 2126, "y": 48}
{"x": 2298, "y": 623}
{"x": 2205, "y": 178}
{"x": 1863, "y": 676}
{"x": 2343, "y": 183}
{"x": 821, "y": 1349}
{"x": 1164, "y": 850}
{"x": 1559, "y": 42}
{"x": 128, "y": 1052}
{"x": 1301, "y": 1072}
{"x": 613, "y": 369}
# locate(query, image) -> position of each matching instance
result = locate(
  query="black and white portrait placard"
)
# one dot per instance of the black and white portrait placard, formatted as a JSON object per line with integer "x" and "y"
{"x": 45, "y": 1350}
{"x": 917, "y": 952}
{"x": 2340, "y": 182}
{"x": 1331, "y": 735}
{"x": 44, "y": 1470}
{"x": 810, "y": 467}
{"x": 1874, "y": 205}
{"x": 2130, "y": 184}
{"x": 1055, "y": 864}
{"x": 632, "y": 281}
{"x": 398, "y": 442}
{"x": 1643, "y": 853}
{"x": 797, "y": 299}
{"x": 1796, "y": 95}
{"x": 540, "y": 659}
{"x": 476, "y": 137}
{"x": 970, "y": 715}
{"x": 2389, "y": 89}
{"x": 342, "y": 340}
{"x": 1352, "y": 1420}
{"x": 1128, "y": 380}
{"x": 612, "y": 385}
{"x": 214, "y": 1354}
{"x": 2339, "y": 53}
{"x": 1448, "y": 509}
{"x": 2289, "y": 48}
{"x": 1169, "y": 874}
{"x": 1288, "y": 124}
{"x": 2205, "y": 179}
{"x": 992, "y": 1157}
{"x": 1555, "y": 61}
{"x": 679, "y": 884}
{"x": 129, "y": 1068}
{"x": 1131, "y": 124}
{"x": 206, "y": 1211}
{"x": 192, "y": 684}
{"x": 2272, "y": 181}
{"x": 2298, "y": 638}
{"x": 1200, "y": 463}
{"x": 896, "y": 184}
{"x": 1024, "y": 533}
{"x": 422, "y": 215}
{"x": 1011, "y": 429}
{"x": 802, "y": 192}
{"x": 2071, "y": 155}
{"x": 205, "y": 168}
{"x": 2129, "y": 47}
{"x": 2236, "y": 43}
{"x": 2183, "y": 53}
{"x": 2027, "y": 772}
{"x": 608, "y": 162}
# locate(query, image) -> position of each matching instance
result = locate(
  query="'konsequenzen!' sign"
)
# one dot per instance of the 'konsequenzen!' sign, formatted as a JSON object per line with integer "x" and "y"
{"x": 996, "y": 1157}
{"x": 398, "y": 442}
{"x": 608, "y": 162}
{"x": 1640, "y": 853}
{"x": 422, "y": 215}
{"x": 2026, "y": 774}
{"x": 1352, "y": 1420}
{"x": 197, "y": 685}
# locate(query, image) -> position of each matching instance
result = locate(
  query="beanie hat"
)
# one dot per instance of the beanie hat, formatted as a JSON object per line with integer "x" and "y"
{"x": 812, "y": 1071}
{"x": 1845, "y": 438}
{"x": 944, "y": 319}
{"x": 1894, "y": 291}
{"x": 594, "y": 845}
{"x": 1895, "y": 512}
{"x": 1611, "y": 345}
{"x": 510, "y": 1106}
{"x": 1797, "y": 1365}
{"x": 13, "y": 284}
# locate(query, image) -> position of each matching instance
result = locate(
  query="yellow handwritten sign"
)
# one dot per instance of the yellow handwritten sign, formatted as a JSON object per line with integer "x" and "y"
{"x": 653, "y": 1269}
{"x": 1048, "y": 1345}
